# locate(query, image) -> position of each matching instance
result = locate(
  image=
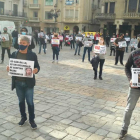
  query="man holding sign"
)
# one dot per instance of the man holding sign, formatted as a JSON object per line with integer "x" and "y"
{"x": 24, "y": 86}
{"x": 87, "y": 46}
{"x": 127, "y": 38}
{"x": 6, "y": 43}
{"x": 134, "y": 43}
{"x": 120, "y": 44}
{"x": 134, "y": 92}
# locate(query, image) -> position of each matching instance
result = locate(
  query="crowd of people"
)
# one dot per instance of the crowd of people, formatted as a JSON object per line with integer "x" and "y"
{"x": 24, "y": 46}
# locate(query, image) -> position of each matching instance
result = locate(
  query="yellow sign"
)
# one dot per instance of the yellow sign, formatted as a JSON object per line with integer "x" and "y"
{"x": 66, "y": 28}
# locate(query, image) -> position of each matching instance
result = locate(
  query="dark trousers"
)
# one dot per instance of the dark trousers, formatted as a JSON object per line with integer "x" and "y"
{"x": 96, "y": 41}
{"x": 127, "y": 46}
{"x": 55, "y": 52}
{"x": 121, "y": 54}
{"x": 3, "y": 53}
{"x": 77, "y": 48}
{"x": 101, "y": 68}
{"x": 36, "y": 40}
{"x": 72, "y": 44}
{"x": 24, "y": 92}
{"x": 60, "y": 45}
{"x": 112, "y": 50}
{"x": 85, "y": 49}
{"x": 107, "y": 43}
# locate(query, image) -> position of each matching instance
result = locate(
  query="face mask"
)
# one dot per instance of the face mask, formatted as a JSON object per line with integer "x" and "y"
{"x": 23, "y": 33}
{"x": 5, "y": 31}
{"x": 22, "y": 47}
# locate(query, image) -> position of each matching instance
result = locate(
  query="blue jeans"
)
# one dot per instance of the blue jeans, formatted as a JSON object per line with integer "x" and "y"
{"x": 132, "y": 99}
{"x": 24, "y": 92}
{"x": 44, "y": 47}
{"x": 77, "y": 48}
{"x": 14, "y": 41}
{"x": 85, "y": 49}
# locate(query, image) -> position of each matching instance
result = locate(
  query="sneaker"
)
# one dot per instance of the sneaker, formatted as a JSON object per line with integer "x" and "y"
{"x": 33, "y": 124}
{"x": 22, "y": 121}
{"x": 53, "y": 61}
{"x": 100, "y": 78}
{"x": 122, "y": 134}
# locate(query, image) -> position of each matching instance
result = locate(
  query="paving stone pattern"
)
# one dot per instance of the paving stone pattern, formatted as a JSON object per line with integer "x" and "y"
{"x": 69, "y": 104}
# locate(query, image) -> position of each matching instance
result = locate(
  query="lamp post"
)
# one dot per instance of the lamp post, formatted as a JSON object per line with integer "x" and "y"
{"x": 54, "y": 13}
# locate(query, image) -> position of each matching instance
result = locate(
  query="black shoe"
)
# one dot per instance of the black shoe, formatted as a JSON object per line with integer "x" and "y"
{"x": 100, "y": 78}
{"x": 122, "y": 64}
{"x": 122, "y": 134}
{"x": 95, "y": 77}
{"x": 74, "y": 54}
{"x": 79, "y": 54}
{"x": 115, "y": 64}
{"x": 22, "y": 121}
{"x": 33, "y": 124}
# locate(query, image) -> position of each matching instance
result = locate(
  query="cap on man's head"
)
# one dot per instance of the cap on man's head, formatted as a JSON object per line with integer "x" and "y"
{"x": 24, "y": 28}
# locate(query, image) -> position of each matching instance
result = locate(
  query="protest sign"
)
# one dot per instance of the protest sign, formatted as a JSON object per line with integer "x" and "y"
{"x": 135, "y": 77}
{"x": 79, "y": 38}
{"x": 101, "y": 49}
{"x": 127, "y": 38}
{"x": 122, "y": 44}
{"x": 41, "y": 35}
{"x": 70, "y": 38}
{"x": 47, "y": 37}
{"x": 133, "y": 44}
{"x": 30, "y": 38}
{"x": 97, "y": 38}
{"x": 60, "y": 37}
{"x": 55, "y": 41}
{"x": 67, "y": 36}
{"x": 4, "y": 37}
{"x": 52, "y": 36}
{"x": 92, "y": 37}
{"x": 21, "y": 68}
{"x": 88, "y": 43}
{"x": 112, "y": 39}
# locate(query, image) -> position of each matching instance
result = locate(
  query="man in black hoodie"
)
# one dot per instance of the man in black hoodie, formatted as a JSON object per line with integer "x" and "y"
{"x": 24, "y": 31}
{"x": 134, "y": 92}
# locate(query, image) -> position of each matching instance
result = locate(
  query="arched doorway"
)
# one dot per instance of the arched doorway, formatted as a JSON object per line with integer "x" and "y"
{"x": 76, "y": 29}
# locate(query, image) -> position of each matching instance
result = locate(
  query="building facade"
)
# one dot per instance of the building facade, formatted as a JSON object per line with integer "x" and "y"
{"x": 73, "y": 15}
{"x": 12, "y": 10}
{"x": 118, "y": 16}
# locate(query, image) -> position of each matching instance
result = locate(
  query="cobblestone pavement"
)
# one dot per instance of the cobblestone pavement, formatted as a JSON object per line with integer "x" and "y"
{"x": 69, "y": 104}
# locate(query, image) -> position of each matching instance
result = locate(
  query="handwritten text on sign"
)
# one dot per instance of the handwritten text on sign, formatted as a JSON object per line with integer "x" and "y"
{"x": 101, "y": 49}
{"x": 21, "y": 68}
{"x": 55, "y": 41}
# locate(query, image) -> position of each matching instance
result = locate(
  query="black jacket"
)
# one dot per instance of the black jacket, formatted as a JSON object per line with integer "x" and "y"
{"x": 31, "y": 56}
{"x": 95, "y": 62}
{"x": 14, "y": 34}
{"x": 32, "y": 46}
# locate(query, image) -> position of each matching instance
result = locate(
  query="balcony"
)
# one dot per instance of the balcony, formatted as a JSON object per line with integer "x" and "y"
{"x": 34, "y": 19}
{"x": 131, "y": 15}
{"x": 9, "y": 13}
{"x": 105, "y": 16}
{"x": 34, "y": 6}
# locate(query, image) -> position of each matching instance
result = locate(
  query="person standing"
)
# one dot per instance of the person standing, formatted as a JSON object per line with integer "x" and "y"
{"x": 133, "y": 43}
{"x": 25, "y": 86}
{"x": 71, "y": 41}
{"x": 96, "y": 38}
{"x": 119, "y": 51}
{"x": 61, "y": 41}
{"x": 15, "y": 36}
{"x": 55, "y": 48}
{"x": 127, "y": 38}
{"x": 24, "y": 31}
{"x": 6, "y": 44}
{"x": 78, "y": 43}
{"x": 112, "y": 46}
{"x": 101, "y": 61}
{"x": 36, "y": 37}
{"x": 134, "y": 92}
{"x": 87, "y": 47}
{"x": 42, "y": 38}
{"x": 107, "y": 39}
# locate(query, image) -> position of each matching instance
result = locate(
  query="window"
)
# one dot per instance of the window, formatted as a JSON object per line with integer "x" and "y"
{"x": 15, "y": 9}
{"x": 98, "y": 3}
{"x": 48, "y": 15}
{"x": 125, "y": 6}
{"x": 132, "y": 6}
{"x": 1, "y": 8}
{"x": 69, "y": 2}
{"x": 35, "y": 14}
{"x": 76, "y": 13}
{"x": 139, "y": 7}
{"x": 35, "y": 1}
{"x": 106, "y": 7}
{"x": 69, "y": 14}
{"x": 48, "y": 2}
{"x": 112, "y": 7}
{"x": 76, "y": 1}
